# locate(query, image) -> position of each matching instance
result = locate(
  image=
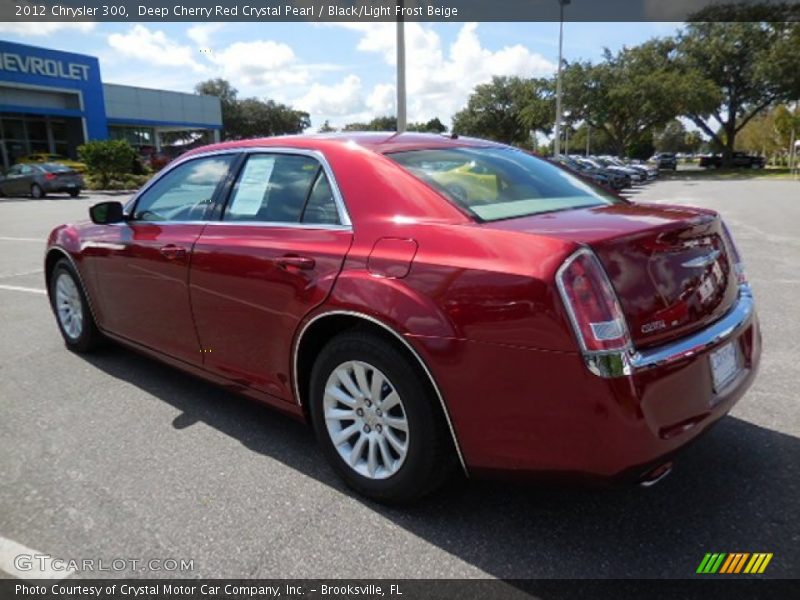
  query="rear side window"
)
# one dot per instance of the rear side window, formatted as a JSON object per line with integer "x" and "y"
{"x": 500, "y": 183}
{"x": 282, "y": 188}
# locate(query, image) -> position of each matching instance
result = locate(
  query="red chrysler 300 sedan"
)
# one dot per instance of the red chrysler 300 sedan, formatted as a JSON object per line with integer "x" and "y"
{"x": 427, "y": 303}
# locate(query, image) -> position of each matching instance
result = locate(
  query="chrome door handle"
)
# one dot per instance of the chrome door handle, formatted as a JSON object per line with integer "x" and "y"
{"x": 297, "y": 262}
{"x": 171, "y": 252}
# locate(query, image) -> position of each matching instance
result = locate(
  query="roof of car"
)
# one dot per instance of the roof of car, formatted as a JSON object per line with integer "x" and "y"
{"x": 378, "y": 141}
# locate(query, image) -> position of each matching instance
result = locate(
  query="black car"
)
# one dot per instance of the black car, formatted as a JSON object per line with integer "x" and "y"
{"x": 38, "y": 180}
{"x": 666, "y": 161}
{"x": 739, "y": 160}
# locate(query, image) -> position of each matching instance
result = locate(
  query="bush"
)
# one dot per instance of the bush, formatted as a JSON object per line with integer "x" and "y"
{"x": 107, "y": 159}
{"x": 121, "y": 182}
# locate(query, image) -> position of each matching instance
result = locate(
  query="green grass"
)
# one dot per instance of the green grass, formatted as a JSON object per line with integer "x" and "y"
{"x": 730, "y": 174}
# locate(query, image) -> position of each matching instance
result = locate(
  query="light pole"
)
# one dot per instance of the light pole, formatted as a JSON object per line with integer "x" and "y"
{"x": 561, "y": 5}
{"x": 401, "y": 71}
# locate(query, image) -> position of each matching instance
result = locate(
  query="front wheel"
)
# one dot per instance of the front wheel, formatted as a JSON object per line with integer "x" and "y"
{"x": 74, "y": 193}
{"x": 36, "y": 191}
{"x": 74, "y": 318}
{"x": 377, "y": 419}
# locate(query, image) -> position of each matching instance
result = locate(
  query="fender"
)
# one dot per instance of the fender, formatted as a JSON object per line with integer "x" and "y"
{"x": 355, "y": 294}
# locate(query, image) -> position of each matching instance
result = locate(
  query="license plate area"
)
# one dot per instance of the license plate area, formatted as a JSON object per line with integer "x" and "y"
{"x": 725, "y": 366}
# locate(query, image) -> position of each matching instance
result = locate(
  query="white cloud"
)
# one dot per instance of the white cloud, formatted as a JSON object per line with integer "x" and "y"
{"x": 44, "y": 28}
{"x": 260, "y": 63}
{"x": 202, "y": 34}
{"x": 154, "y": 47}
{"x": 343, "y": 99}
{"x": 382, "y": 100}
{"x": 439, "y": 80}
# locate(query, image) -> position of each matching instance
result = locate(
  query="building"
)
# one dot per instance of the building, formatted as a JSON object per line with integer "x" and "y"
{"x": 52, "y": 101}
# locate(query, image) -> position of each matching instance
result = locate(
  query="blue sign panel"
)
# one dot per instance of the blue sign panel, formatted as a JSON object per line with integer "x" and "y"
{"x": 42, "y": 68}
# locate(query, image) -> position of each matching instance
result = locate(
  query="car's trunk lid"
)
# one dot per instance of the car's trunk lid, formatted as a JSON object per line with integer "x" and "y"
{"x": 669, "y": 265}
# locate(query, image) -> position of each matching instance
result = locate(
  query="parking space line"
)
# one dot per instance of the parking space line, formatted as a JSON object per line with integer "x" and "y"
{"x": 22, "y": 274}
{"x": 13, "y": 555}
{"x": 4, "y": 238}
{"x": 17, "y": 288}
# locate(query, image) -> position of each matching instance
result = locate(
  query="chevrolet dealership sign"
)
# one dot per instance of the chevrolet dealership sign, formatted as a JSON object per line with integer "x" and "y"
{"x": 48, "y": 67}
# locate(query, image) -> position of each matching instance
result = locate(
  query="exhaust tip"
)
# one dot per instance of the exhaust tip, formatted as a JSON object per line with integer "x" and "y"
{"x": 653, "y": 477}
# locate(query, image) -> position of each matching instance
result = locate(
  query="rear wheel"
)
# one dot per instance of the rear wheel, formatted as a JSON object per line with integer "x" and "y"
{"x": 377, "y": 419}
{"x": 72, "y": 311}
{"x": 36, "y": 191}
{"x": 74, "y": 193}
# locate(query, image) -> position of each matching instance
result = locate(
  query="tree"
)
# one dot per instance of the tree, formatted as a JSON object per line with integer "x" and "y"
{"x": 432, "y": 126}
{"x": 327, "y": 127}
{"x": 252, "y": 117}
{"x": 507, "y": 110}
{"x": 746, "y": 68}
{"x": 229, "y": 104}
{"x": 385, "y": 123}
{"x": 107, "y": 158}
{"x": 630, "y": 93}
{"x": 672, "y": 138}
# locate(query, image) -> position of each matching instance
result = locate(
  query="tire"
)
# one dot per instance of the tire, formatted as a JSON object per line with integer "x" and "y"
{"x": 426, "y": 457}
{"x": 74, "y": 193}
{"x": 37, "y": 192}
{"x": 71, "y": 309}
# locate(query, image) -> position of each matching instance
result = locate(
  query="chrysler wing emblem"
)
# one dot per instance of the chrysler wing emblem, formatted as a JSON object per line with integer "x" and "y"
{"x": 702, "y": 261}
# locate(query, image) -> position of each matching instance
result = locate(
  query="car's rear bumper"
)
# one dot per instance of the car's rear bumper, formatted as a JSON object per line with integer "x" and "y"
{"x": 524, "y": 410}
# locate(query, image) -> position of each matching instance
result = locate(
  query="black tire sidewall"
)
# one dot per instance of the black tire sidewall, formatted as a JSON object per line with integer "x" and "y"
{"x": 34, "y": 187}
{"x": 410, "y": 481}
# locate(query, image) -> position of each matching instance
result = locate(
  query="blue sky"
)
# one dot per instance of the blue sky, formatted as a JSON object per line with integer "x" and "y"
{"x": 340, "y": 72}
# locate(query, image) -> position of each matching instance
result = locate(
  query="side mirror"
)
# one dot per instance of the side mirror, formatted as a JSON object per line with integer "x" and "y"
{"x": 105, "y": 213}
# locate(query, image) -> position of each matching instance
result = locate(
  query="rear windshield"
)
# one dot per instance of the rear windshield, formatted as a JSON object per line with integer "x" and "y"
{"x": 500, "y": 183}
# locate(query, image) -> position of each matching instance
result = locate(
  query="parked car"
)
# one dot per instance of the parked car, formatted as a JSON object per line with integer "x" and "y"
{"x": 43, "y": 157}
{"x": 38, "y": 180}
{"x": 623, "y": 179}
{"x": 738, "y": 160}
{"x": 665, "y": 161}
{"x": 594, "y": 175}
{"x": 649, "y": 171}
{"x": 611, "y": 165}
{"x": 553, "y": 328}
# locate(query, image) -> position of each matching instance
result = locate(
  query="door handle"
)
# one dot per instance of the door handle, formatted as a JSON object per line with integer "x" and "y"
{"x": 296, "y": 262}
{"x": 171, "y": 252}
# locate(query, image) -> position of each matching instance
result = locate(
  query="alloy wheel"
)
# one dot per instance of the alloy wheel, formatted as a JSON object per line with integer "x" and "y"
{"x": 69, "y": 306}
{"x": 366, "y": 420}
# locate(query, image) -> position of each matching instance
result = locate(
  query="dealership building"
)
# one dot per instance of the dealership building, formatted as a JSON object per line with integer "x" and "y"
{"x": 52, "y": 101}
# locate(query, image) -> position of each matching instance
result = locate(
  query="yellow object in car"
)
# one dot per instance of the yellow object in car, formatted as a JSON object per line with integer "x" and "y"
{"x": 44, "y": 157}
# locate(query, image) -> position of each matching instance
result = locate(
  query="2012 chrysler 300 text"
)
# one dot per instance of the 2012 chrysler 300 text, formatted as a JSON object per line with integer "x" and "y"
{"x": 427, "y": 303}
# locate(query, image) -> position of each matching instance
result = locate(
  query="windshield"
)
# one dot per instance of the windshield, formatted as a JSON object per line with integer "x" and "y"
{"x": 500, "y": 183}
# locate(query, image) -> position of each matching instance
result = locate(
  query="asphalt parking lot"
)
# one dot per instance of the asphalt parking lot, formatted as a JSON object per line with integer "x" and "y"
{"x": 116, "y": 456}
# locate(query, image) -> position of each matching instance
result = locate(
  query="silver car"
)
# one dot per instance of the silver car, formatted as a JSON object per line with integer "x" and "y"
{"x": 38, "y": 180}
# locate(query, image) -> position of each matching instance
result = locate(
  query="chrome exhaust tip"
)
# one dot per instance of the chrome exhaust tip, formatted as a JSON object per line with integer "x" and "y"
{"x": 653, "y": 477}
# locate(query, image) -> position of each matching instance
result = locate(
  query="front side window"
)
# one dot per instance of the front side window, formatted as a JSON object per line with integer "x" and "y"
{"x": 282, "y": 188}
{"x": 185, "y": 192}
{"x": 500, "y": 183}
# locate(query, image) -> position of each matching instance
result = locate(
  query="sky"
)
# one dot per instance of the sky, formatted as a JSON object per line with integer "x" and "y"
{"x": 339, "y": 72}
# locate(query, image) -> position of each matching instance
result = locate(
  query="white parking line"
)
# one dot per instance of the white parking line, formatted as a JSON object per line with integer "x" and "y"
{"x": 21, "y": 274}
{"x": 19, "y": 561}
{"x": 17, "y": 288}
{"x": 21, "y": 239}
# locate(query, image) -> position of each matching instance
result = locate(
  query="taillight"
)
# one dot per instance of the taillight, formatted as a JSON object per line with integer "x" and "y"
{"x": 592, "y": 304}
{"x": 50, "y": 176}
{"x": 738, "y": 265}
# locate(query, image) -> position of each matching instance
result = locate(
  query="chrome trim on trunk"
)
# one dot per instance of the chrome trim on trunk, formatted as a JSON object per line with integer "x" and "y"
{"x": 618, "y": 364}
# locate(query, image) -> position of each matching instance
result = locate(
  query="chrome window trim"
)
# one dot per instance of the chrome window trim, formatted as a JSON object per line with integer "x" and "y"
{"x": 341, "y": 207}
{"x": 618, "y": 364}
{"x": 405, "y": 342}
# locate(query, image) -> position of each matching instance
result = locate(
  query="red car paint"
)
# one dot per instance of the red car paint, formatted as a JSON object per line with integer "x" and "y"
{"x": 478, "y": 303}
